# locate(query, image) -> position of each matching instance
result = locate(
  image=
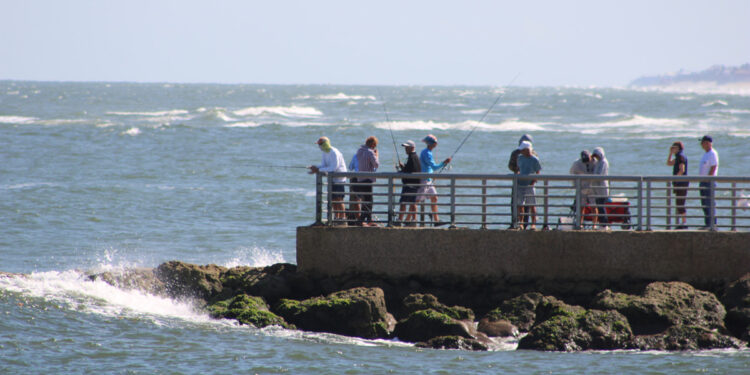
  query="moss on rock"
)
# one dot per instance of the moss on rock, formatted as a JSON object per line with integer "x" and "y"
{"x": 424, "y": 325}
{"x": 519, "y": 311}
{"x": 247, "y": 310}
{"x": 416, "y": 302}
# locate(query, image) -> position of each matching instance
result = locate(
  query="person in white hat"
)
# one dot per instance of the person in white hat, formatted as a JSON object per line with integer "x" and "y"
{"x": 410, "y": 185}
{"x": 525, "y": 194}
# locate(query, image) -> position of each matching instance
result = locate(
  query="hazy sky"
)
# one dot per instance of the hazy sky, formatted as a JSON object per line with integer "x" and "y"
{"x": 375, "y": 42}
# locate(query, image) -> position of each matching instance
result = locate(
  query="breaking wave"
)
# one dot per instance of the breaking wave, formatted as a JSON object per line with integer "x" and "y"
{"x": 292, "y": 111}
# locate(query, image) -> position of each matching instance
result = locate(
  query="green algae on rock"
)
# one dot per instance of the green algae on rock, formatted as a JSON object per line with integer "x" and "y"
{"x": 247, "y": 310}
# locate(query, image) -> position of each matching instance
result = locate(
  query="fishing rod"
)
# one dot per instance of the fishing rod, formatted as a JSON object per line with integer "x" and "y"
{"x": 388, "y": 119}
{"x": 482, "y": 119}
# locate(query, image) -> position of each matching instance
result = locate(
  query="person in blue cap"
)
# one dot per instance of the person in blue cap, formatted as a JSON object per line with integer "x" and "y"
{"x": 427, "y": 162}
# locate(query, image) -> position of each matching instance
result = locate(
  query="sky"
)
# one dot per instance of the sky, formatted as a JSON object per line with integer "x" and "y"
{"x": 402, "y": 42}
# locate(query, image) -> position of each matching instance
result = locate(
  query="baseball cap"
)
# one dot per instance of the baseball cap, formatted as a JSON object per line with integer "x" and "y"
{"x": 430, "y": 139}
{"x": 707, "y": 138}
{"x": 409, "y": 143}
{"x": 524, "y": 145}
{"x": 321, "y": 140}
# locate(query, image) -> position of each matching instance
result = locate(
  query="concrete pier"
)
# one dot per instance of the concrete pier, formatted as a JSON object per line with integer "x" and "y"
{"x": 690, "y": 256}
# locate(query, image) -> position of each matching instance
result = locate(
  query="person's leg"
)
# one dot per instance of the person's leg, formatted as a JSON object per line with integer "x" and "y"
{"x": 434, "y": 207}
{"x": 705, "y": 202}
{"x": 532, "y": 211}
{"x": 401, "y": 209}
{"x": 412, "y": 216}
{"x": 680, "y": 194}
{"x": 367, "y": 202}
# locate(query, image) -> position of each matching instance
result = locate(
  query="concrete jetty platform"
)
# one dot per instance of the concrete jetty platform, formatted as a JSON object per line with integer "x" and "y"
{"x": 691, "y": 256}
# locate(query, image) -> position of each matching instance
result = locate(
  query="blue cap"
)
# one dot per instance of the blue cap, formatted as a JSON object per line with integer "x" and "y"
{"x": 707, "y": 138}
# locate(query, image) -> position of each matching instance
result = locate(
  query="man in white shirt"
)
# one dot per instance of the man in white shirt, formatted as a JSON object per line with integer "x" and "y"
{"x": 709, "y": 167}
{"x": 333, "y": 161}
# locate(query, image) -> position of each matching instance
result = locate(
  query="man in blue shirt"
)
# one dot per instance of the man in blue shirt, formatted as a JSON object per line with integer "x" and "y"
{"x": 427, "y": 162}
{"x": 525, "y": 194}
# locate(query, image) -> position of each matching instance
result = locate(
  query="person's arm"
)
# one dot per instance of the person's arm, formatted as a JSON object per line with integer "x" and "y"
{"x": 374, "y": 159}
{"x": 670, "y": 161}
{"x": 513, "y": 162}
{"x": 712, "y": 171}
{"x": 431, "y": 162}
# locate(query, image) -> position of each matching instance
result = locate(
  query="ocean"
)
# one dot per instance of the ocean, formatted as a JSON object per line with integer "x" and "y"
{"x": 106, "y": 176}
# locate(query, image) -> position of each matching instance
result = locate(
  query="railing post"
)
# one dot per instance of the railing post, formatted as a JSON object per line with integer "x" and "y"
{"x": 577, "y": 224}
{"x": 453, "y": 202}
{"x": 546, "y": 204}
{"x": 390, "y": 201}
{"x": 640, "y": 204}
{"x": 514, "y": 204}
{"x": 318, "y": 199}
{"x": 734, "y": 206}
{"x": 669, "y": 208}
{"x": 648, "y": 205}
{"x": 484, "y": 204}
{"x": 328, "y": 204}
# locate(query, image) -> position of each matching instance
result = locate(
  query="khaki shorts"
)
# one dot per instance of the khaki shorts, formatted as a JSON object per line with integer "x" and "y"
{"x": 428, "y": 190}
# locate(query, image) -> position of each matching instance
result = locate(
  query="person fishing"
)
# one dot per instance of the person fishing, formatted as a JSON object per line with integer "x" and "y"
{"x": 368, "y": 161}
{"x": 333, "y": 161}
{"x": 410, "y": 186}
{"x": 428, "y": 165}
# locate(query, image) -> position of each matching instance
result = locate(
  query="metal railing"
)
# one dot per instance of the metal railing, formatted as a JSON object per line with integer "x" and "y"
{"x": 561, "y": 201}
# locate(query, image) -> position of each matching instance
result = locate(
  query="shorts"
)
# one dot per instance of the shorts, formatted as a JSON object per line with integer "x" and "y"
{"x": 426, "y": 190}
{"x": 409, "y": 194}
{"x": 337, "y": 191}
{"x": 526, "y": 195}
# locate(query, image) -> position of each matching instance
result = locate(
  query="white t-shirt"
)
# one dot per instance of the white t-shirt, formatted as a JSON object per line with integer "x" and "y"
{"x": 709, "y": 159}
{"x": 333, "y": 161}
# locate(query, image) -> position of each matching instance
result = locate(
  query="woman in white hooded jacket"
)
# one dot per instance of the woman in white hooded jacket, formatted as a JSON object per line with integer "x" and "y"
{"x": 601, "y": 188}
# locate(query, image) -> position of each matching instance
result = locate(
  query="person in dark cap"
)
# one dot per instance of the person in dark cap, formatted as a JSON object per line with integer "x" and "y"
{"x": 709, "y": 167}
{"x": 428, "y": 165}
{"x": 679, "y": 168}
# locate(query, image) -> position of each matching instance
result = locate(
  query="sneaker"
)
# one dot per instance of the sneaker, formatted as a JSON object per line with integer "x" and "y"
{"x": 681, "y": 227}
{"x": 397, "y": 224}
{"x": 439, "y": 223}
{"x": 411, "y": 224}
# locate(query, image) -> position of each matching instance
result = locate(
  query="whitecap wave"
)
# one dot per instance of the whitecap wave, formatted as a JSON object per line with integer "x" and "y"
{"x": 342, "y": 96}
{"x": 292, "y": 111}
{"x": 173, "y": 112}
{"x": 715, "y": 103}
{"x": 17, "y": 119}
{"x": 246, "y": 124}
{"x": 132, "y": 132}
{"x": 509, "y": 125}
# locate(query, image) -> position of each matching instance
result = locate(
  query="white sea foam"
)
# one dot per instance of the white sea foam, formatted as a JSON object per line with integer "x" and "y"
{"x": 53, "y": 122}
{"x": 132, "y": 132}
{"x": 73, "y": 290}
{"x": 254, "y": 257}
{"x": 292, "y": 111}
{"x": 17, "y": 119}
{"x": 715, "y": 103}
{"x": 245, "y": 124}
{"x": 174, "y": 112}
{"x": 514, "y": 104}
{"x": 611, "y": 114}
{"x": 342, "y": 96}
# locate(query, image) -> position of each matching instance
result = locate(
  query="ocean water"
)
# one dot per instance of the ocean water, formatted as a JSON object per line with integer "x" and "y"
{"x": 106, "y": 176}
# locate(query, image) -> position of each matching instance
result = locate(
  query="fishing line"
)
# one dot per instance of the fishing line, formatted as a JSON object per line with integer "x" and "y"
{"x": 482, "y": 119}
{"x": 388, "y": 119}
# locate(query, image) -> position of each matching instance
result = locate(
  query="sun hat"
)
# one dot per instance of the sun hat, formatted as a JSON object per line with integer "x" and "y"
{"x": 524, "y": 145}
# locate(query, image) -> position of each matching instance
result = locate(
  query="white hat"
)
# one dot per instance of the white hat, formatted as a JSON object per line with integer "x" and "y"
{"x": 524, "y": 145}
{"x": 409, "y": 143}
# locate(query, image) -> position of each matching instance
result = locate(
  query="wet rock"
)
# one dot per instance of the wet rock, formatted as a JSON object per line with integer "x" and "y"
{"x": 190, "y": 280}
{"x": 273, "y": 282}
{"x": 453, "y": 342}
{"x": 357, "y": 312}
{"x": 562, "y": 327}
{"x": 143, "y": 279}
{"x": 416, "y": 302}
{"x": 497, "y": 328}
{"x": 663, "y": 305}
{"x": 736, "y": 300}
{"x": 520, "y": 311}
{"x": 247, "y": 310}
{"x": 687, "y": 338}
{"x": 424, "y": 325}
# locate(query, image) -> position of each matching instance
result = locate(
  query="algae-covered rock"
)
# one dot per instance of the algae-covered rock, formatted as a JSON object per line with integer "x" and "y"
{"x": 189, "y": 280}
{"x": 687, "y": 338}
{"x": 663, "y": 305}
{"x": 424, "y": 325}
{"x": 357, "y": 312}
{"x": 519, "y": 311}
{"x": 143, "y": 279}
{"x": 736, "y": 300}
{"x": 247, "y": 310}
{"x": 453, "y": 342}
{"x": 416, "y": 302}
{"x": 564, "y": 327}
{"x": 272, "y": 282}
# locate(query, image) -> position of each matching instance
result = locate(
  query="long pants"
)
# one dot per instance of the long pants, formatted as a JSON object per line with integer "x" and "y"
{"x": 365, "y": 196}
{"x": 602, "y": 210}
{"x": 707, "y": 201}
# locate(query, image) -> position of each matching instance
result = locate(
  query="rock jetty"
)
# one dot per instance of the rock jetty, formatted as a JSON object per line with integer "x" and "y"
{"x": 452, "y": 312}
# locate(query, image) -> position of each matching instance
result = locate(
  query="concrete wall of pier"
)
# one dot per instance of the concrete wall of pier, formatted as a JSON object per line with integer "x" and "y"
{"x": 690, "y": 256}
